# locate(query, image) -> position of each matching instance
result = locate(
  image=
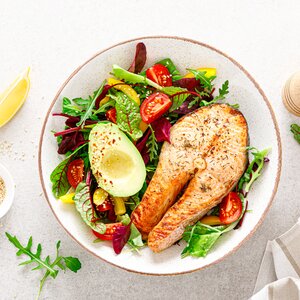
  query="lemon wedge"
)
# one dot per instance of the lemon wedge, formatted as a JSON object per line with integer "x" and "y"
{"x": 13, "y": 97}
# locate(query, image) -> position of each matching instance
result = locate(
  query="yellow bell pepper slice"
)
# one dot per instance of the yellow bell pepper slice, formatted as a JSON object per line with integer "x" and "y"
{"x": 143, "y": 126}
{"x": 209, "y": 72}
{"x": 104, "y": 100}
{"x": 67, "y": 198}
{"x": 211, "y": 220}
{"x": 99, "y": 196}
{"x": 125, "y": 88}
{"x": 119, "y": 205}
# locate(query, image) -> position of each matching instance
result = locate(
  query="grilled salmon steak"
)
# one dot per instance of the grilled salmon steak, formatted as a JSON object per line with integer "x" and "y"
{"x": 205, "y": 159}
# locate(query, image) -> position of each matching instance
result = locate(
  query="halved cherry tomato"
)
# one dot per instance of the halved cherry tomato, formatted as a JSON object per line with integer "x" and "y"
{"x": 230, "y": 208}
{"x": 159, "y": 74}
{"x": 110, "y": 230}
{"x": 75, "y": 172}
{"x": 111, "y": 115}
{"x": 105, "y": 206}
{"x": 154, "y": 106}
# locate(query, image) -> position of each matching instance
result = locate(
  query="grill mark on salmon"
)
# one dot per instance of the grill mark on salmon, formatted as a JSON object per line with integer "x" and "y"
{"x": 207, "y": 152}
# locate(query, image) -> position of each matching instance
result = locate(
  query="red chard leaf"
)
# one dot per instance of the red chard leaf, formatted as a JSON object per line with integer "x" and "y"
{"x": 141, "y": 146}
{"x": 161, "y": 129}
{"x": 191, "y": 84}
{"x": 71, "y": 142}
{"x": 139, "y": 59}
{"x": 120, "y": 238}
{"x": 141, "y": 143}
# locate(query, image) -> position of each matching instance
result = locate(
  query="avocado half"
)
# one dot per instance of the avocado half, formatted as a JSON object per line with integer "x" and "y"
{"x": 115, "y": 162}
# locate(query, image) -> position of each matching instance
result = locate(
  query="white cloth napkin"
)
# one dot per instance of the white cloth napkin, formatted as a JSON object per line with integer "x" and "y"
{"x": 279, "y": 274}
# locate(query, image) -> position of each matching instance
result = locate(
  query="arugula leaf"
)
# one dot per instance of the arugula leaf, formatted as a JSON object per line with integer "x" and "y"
{"x": 134, "y": 201}
{"x": 71, "y": 263}
{"x": 151, "y": 168}
{"x": 69, "y": 108}
{"x": 135, "y": 239}
{"x": 223, "y": 91}
{"x": 254, "y": 169}
{"x": 206, "y": 82}
{"x": 168, "y": 63}
{"x": 295, "y": 129}
{"x": 58, "y": 177}
{"x": 104, "y": 108}
{"x": 84, "y": 206}
{"x": 235, "y": 106}
{"x": 82, "y": 102}
{"x": 152, "y": 145}
{"x": 128, "y": 115}
{"x": 89, "y": 109}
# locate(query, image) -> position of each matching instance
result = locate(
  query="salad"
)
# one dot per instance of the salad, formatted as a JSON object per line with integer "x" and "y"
{"x": 128, "y": 118}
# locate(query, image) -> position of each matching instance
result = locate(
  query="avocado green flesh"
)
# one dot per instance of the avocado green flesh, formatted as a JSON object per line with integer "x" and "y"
{"x": 115, "y": 162}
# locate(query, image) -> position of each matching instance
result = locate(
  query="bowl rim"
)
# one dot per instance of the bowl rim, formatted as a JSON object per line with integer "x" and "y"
{"x": 249, "y": 235}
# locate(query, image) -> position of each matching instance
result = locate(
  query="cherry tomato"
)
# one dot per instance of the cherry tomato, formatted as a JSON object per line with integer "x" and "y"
{"x": 111, "y": 115}
{"x": 230, "y": 208}
{"x": 75, "y": 172}
{"x": 105, "y": 206}
{"x": 110, "y": 230}
{"x": 159, "y": 74}
{"x": 154, "y": 106}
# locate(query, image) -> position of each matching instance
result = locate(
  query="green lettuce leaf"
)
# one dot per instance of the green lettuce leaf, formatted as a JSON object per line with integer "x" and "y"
{"x": 127, "y": 76}
{"x": 128, "y": 115}
{"x": 85, "y": 207}
{"x": 58, "y": 177}
{"x": 254, "y": 169}
{"x": 168, "y": 63}
{"x": 135, "y": 239}
{"x": 199, "y": 245}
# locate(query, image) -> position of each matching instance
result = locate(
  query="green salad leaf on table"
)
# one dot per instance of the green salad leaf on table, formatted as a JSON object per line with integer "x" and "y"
{"x": 295, "y": 129}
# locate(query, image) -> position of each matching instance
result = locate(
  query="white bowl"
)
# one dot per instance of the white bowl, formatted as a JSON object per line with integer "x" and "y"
{"x": 244, "y": 90}
{"x": 10, "y": 191}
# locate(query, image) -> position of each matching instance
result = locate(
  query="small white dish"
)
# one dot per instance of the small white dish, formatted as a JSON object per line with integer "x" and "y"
{"x": 7, "y": 202}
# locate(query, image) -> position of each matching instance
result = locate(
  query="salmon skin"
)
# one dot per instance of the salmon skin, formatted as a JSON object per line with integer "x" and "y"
{"x": 207, "y": 155}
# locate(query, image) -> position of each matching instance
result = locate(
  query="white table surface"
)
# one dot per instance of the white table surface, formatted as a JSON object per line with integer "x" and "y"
{"x": 54, "y": 37}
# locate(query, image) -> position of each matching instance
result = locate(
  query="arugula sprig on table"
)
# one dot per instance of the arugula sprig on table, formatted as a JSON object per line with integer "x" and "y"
{"x": 51, "y": 267}
{"x": 295, "y": 129}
